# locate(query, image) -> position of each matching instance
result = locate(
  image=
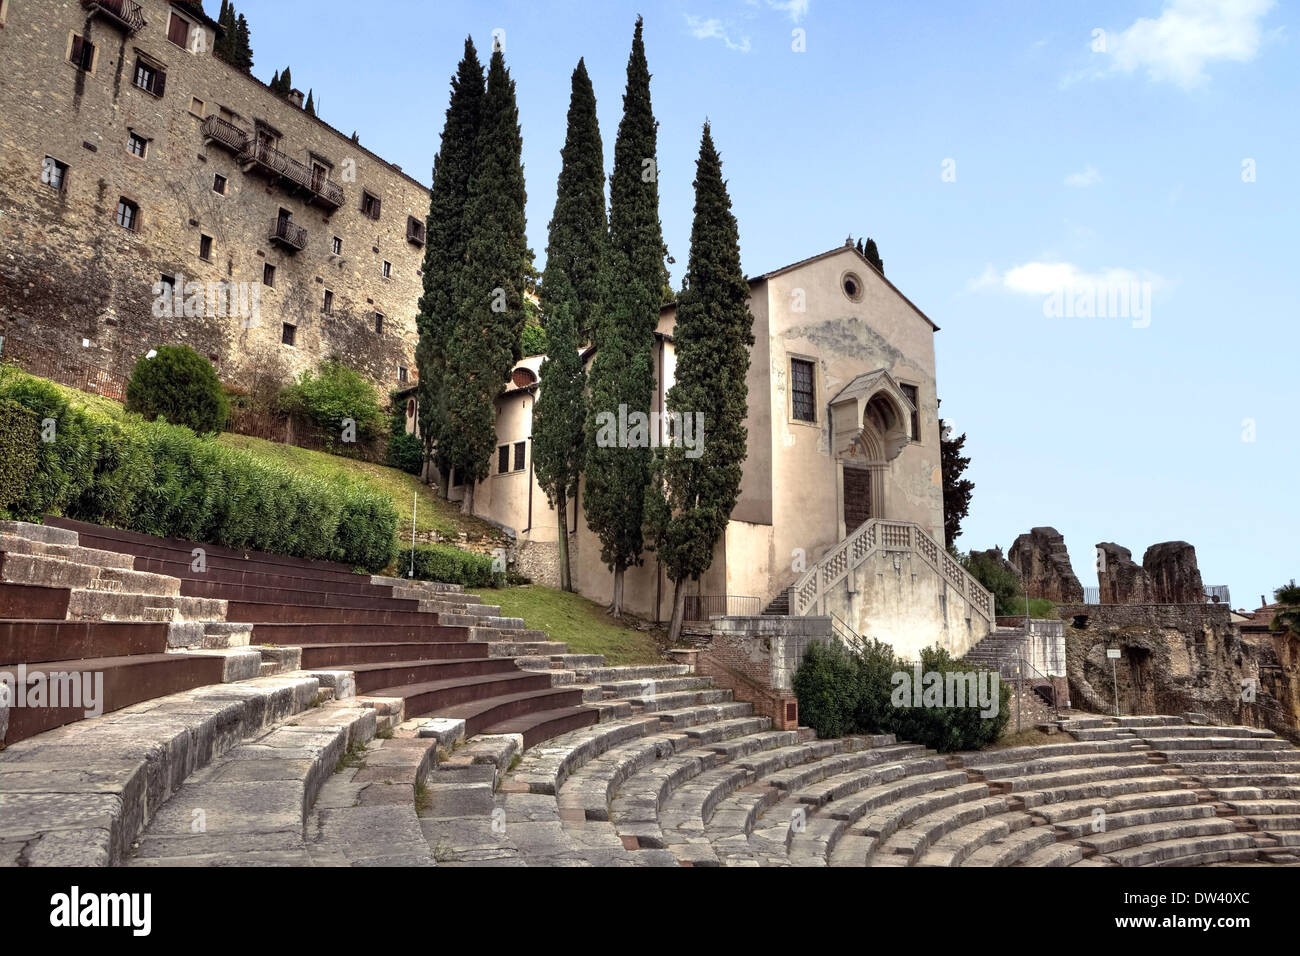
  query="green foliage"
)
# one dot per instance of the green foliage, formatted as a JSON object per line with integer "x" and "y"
{"x": 20, "y": 436}
{"x": 1288, "y": 616}
{"x": 533, "y": 341}
{"x": 436, "y": 562}
{"x": 233, "y": 41}
{"x": 842, "y": 692}
{"x": 310, "y": 107}
{"x": 622, "y": 374}
{"x": 405, "y": 452}
{"x": 331, "y": 395}
{"x": 165, "y": 480}
{"x": 998, "y": 577}
{"x": 182, "y": 387}
{"x": 446, "y": 232}
{"x": 956, "y": 489}
{"x": 711, "y": 339}
{"x": 490, "y": 313}
{"x": 560, "y": 412}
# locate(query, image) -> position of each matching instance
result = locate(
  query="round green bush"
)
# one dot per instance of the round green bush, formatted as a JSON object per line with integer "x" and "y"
{"x": 406, "y": 452}
{"x": 182, "y": 387}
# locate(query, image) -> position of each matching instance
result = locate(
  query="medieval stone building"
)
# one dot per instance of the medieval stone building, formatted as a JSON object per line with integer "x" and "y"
{"x": 133, "y": 162}
{"x": 843, "y": 428}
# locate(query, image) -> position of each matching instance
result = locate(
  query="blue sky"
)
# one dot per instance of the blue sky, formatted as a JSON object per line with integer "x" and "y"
{"x": 1162, "y": 150}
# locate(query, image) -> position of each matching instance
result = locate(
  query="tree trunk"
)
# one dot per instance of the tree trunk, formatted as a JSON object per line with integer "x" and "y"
{"x": 562, "y": 512}
{"x": 679, "y": 611}
{"x": 616, "y": 609}
{"x": 467, "y": 503}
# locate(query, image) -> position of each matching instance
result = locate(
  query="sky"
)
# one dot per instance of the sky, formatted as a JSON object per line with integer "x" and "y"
{"x": 1013, "y": 161}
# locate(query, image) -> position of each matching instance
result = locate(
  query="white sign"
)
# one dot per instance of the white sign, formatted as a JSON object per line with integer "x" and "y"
{"x": 1113, "y": 652}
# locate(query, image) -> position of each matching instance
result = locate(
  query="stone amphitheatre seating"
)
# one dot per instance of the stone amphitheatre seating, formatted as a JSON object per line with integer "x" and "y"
{"x": 293, "y": 726}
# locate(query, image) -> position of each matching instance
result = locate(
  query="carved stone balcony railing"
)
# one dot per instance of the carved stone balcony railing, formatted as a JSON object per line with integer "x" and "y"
{"x": 125, "y": 13}
{"x": 808, "y": 593}
{"x": 258, "y": 155}
{"x": 226, "y": 133}
{"x": 288, "y": 234}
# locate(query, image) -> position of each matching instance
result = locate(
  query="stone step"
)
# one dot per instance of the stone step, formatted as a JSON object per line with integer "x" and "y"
{"x": 959, "y": 844}
{"x": 1109, "y": 842}
{"x": 1096, "y": 790}
{"x": 630, "y": 672}
{"x": 1110, "y": 822}
{"x": 435, "y": 586}
{"x": 1048, "y": 766}
{"x": 1057, "y": 854}
{"x": 16, "y": 544}
{"x": 88, "y": 605}
{"x": 41, "y": 533}
{"x": 1065, "y": 812}
{"x": 1152, "y": 721}
{"x": 653, "y": 687}
{"x": 1013, "y": 849}
{"x": 1052, "y": 780}
{"x": 908, "y": 844}
{"x": 1180, "y": 850}
{"x": 1018, "y": 755}
{"x": 889, "y": 819}
{"x": 679, "y": 699}
{"x": 1170, "y": 744}
{"x": 1222, "y": 733}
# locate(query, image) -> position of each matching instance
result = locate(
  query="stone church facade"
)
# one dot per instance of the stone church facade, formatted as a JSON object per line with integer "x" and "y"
{"x": 132, "y": 161}
{"x": 843, "y": 428}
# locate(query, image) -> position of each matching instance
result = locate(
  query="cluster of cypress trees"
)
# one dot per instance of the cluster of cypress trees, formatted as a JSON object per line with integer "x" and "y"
{"x": 234, "y": 43}
{"x": 604, "y": 284}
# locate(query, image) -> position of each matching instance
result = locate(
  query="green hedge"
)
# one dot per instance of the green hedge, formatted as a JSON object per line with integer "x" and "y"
{"x": 842, "y": 692}
{"x": 436, "y": 562}
{"x": 165, "y": 480}
{"x": 180, "y": 385}
{"x": 20, "y": 435}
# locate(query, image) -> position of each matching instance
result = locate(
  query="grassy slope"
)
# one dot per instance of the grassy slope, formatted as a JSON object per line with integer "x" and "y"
{"x": 580, "y": 623}
{"x": 433, "y": 514}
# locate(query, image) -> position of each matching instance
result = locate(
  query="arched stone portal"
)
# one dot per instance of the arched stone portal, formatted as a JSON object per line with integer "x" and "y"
{"x": 870, "y": 419}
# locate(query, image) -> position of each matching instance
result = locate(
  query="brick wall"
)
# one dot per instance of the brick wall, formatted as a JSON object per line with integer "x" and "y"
{"x": 756, "y": 657}
{"x": 69, "y": 273}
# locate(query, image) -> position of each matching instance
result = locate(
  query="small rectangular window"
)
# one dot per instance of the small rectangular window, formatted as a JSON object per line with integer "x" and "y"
{"x": 914, "y": 396}
{"x": 54, "y": 173}
{"x": 803, "y": 390}
{"x": 127, "y": 215}
{"x": 137, "y": 145}
{"x": 178, "y": 30}
{"x": 415, "y": 230}
{"x": 288, "y": 333}
{"x": 219, "y": 183}
{"x": 401, "y": 373}
{"x": 519, "y": 456}
{"x": 328, "y": 305}
{"x": 370, "y": 205}
{"x": 268, "y": 275}
{"x": 337, "y": 247}
{"x": 387, "y": 269}
{"x": 168, "y": 285}
{"x": 150, "y": 78}
{"x": 205, "y": 248}
{"x": 198, "y": 107}
{"x": 379, "y": 323}
{"x": 82, "y": 54}
{"x": 503, "y": 459}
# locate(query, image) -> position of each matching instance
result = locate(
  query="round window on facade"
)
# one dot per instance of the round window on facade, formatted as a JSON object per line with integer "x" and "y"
{"x": 852, "y": 286}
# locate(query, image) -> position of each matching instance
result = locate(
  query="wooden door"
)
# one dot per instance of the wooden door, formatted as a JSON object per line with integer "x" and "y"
{"x": 857, "y": 497}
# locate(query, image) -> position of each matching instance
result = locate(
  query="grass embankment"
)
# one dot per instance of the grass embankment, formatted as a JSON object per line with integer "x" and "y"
{"x": 434, "y": 514}
{"x": 1040, "y": 609}
{"x": 583, "y": 625}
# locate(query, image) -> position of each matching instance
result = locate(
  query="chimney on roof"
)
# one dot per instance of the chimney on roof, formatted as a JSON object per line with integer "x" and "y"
{"x": 1262, "y": 602}
{"x": 295, "y": 97}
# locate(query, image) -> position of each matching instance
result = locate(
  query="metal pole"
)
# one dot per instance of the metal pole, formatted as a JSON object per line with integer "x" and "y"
{"x": 1115, "y": 682}
{"x": 415, "y": 500}
{"x": 1020, "y": 667}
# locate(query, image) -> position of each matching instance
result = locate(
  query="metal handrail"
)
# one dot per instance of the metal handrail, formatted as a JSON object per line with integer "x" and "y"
{"x": 126, "y": 12}
{"x": 704, "y": 607}
{"x": 289, "y": 232}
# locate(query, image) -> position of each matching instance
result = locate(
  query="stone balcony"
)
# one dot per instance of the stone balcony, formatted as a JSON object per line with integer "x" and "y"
{"x": 256, "y": 156}
{"x": 124, "y": 13}
{"x": 288, "y": 234}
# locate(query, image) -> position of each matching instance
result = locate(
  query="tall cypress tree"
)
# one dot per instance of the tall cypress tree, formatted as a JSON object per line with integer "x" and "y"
{"x": 446, "y": 232}
{"x": 696, "y": 487}
{"x": 490, "y": 308}
{"x": 310, "y": 106}
{"x": 224, "y": 47}
{"x": 572, "y": 287}
{"x": 243, "y": 45}
{"x": 623, "y": 374}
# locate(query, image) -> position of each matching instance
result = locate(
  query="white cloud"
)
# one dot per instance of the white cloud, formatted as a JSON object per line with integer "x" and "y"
{"x": 1189, "y": 34}
{"x": 711, "y": 29}
{"x": 1089, "y": 177}
{"x": 797, "y": 9}
{"x": 1047, "y": 278}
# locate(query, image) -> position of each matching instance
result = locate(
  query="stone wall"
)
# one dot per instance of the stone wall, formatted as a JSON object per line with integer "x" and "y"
{"x": 1176, "y": 658}
{"x": 70, "y": 274}
{"x": 756, "y": 659}
{"x": 1174, "y": 574}
{"x": 1043, "y": 563}
{"x": 1122, "y": 580}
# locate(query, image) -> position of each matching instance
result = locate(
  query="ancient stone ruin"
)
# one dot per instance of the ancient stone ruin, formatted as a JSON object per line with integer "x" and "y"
{"x": 1174, "y": 574}
{"x": 1043, "y": 563}
{"x": 1122, "y": 580}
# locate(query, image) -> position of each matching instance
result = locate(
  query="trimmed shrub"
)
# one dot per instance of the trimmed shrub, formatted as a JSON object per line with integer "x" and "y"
{"x": 165, "y": 480}
{"x": 20, "y": 435}
{"x": 180, "y": 385}
{"x": 405, "y": 452}
{"x": 329, "y": 396}
{"x": 842, "y": 692}
{"x": 437, "y": 562}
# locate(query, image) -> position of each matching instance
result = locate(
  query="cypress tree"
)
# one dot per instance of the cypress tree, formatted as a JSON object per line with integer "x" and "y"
{"x": 873, "y": 256}
{"x": 444, "y": 249}
{"x": 224, "y": 47}
{"x": 310, "y": 106}
{"x": 274, "y": 85}
{"x": 490, "y": 309}
{"x": 572, "y": 287}
{"x": 623, "y": 374}
{"x": 286, "y": 82}
{"x": 243, "y": 45}
{"x": 696, "y": 487}
{"x": 559, "y": 418}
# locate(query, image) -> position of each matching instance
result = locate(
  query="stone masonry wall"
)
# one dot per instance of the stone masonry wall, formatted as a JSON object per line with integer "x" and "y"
{"x": 756, "y": 657}
{"x": 69, "y": 273}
